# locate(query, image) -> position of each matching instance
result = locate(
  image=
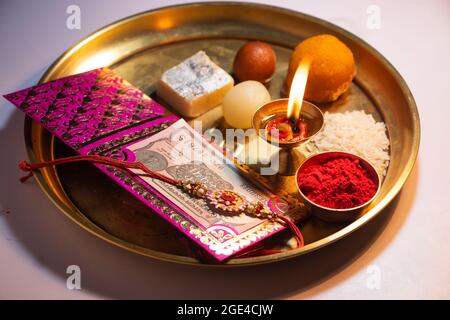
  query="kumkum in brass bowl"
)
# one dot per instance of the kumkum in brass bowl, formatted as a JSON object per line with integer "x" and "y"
{"x": 337, "y": 186}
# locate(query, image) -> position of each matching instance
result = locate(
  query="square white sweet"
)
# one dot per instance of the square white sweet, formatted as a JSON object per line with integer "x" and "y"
{"x": 195, "y": 85}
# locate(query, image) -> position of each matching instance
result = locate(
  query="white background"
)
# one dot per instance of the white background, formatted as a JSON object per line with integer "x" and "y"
{"x": 408, "y": 244}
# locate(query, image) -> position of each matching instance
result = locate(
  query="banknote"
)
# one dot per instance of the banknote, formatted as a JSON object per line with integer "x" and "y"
{"x": 182, "y": 153}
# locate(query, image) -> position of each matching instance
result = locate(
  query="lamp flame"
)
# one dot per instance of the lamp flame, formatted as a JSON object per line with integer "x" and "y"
{"x": 298, "y": 90}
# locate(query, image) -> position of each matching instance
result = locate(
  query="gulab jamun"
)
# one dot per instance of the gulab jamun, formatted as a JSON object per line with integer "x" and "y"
{"x": 255, "y": 60}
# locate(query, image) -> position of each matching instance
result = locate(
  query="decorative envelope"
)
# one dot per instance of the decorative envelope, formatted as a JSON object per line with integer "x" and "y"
{"x": 98, "y": 112}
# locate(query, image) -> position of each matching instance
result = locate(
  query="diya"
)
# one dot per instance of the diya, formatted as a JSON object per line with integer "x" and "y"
{"x": 288, "y": 123}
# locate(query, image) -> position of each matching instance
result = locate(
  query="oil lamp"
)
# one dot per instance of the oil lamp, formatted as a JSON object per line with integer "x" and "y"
{"x": 288, "y": 123}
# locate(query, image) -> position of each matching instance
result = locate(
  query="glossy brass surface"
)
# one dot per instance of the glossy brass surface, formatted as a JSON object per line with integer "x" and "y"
{"x": 141, "y": 47}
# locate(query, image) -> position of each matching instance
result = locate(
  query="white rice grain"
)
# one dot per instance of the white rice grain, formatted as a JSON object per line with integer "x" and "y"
{"x": 355, "y": 132}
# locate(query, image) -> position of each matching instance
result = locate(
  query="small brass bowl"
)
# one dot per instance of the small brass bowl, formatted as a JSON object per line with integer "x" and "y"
{"x": 310, "y": 112}
{"x": 288, "y": 157}
{"x": 330, "y": 214}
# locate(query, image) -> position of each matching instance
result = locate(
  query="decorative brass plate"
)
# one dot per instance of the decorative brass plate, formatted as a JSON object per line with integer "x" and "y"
{"x": 141, "y": 47}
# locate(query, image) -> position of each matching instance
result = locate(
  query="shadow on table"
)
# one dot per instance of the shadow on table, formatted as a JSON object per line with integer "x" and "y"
{"x": 55, "y": 243}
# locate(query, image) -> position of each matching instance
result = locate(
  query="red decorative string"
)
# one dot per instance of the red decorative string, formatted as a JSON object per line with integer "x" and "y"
{"x": 30, "y": 167}
{"x": 26, "y": 166}
{"x": 298, "y": 235}
{"x": 259, "y": 251}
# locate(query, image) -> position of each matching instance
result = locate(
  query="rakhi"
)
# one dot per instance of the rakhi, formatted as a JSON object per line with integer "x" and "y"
{"x": 223, "y": 201}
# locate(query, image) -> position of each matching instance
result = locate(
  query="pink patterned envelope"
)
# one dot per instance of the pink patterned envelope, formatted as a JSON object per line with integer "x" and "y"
{"x": 82, "y": 108}
{"x": 98, "y": 112}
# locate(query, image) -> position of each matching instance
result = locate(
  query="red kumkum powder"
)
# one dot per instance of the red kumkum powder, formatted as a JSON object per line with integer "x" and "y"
{"x": 338, "y": 182}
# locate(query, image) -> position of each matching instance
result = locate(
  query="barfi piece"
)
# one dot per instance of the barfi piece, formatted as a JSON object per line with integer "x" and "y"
{"x": 195, "y": 85}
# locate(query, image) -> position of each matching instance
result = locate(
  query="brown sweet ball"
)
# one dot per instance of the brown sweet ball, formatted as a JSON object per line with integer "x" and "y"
{"x": 332, "y": 68}
{"x": 255, "y": 60}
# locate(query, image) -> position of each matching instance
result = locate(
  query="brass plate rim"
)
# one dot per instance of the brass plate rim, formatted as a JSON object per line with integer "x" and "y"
{"x": 242, "y": 262}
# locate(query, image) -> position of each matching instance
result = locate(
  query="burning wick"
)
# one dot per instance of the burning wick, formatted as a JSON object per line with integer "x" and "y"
{"x": 293, "y": 124}
{"x": 291, "y": 127}
{"x": 282, "y": 129}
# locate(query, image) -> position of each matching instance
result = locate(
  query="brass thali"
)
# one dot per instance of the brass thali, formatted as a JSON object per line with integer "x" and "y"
{"x": 141, "y": 47}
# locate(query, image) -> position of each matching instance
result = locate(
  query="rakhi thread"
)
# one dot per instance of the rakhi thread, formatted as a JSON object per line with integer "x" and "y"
{"x": 30, "y": 167}
{"x": 223, "y": 200}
